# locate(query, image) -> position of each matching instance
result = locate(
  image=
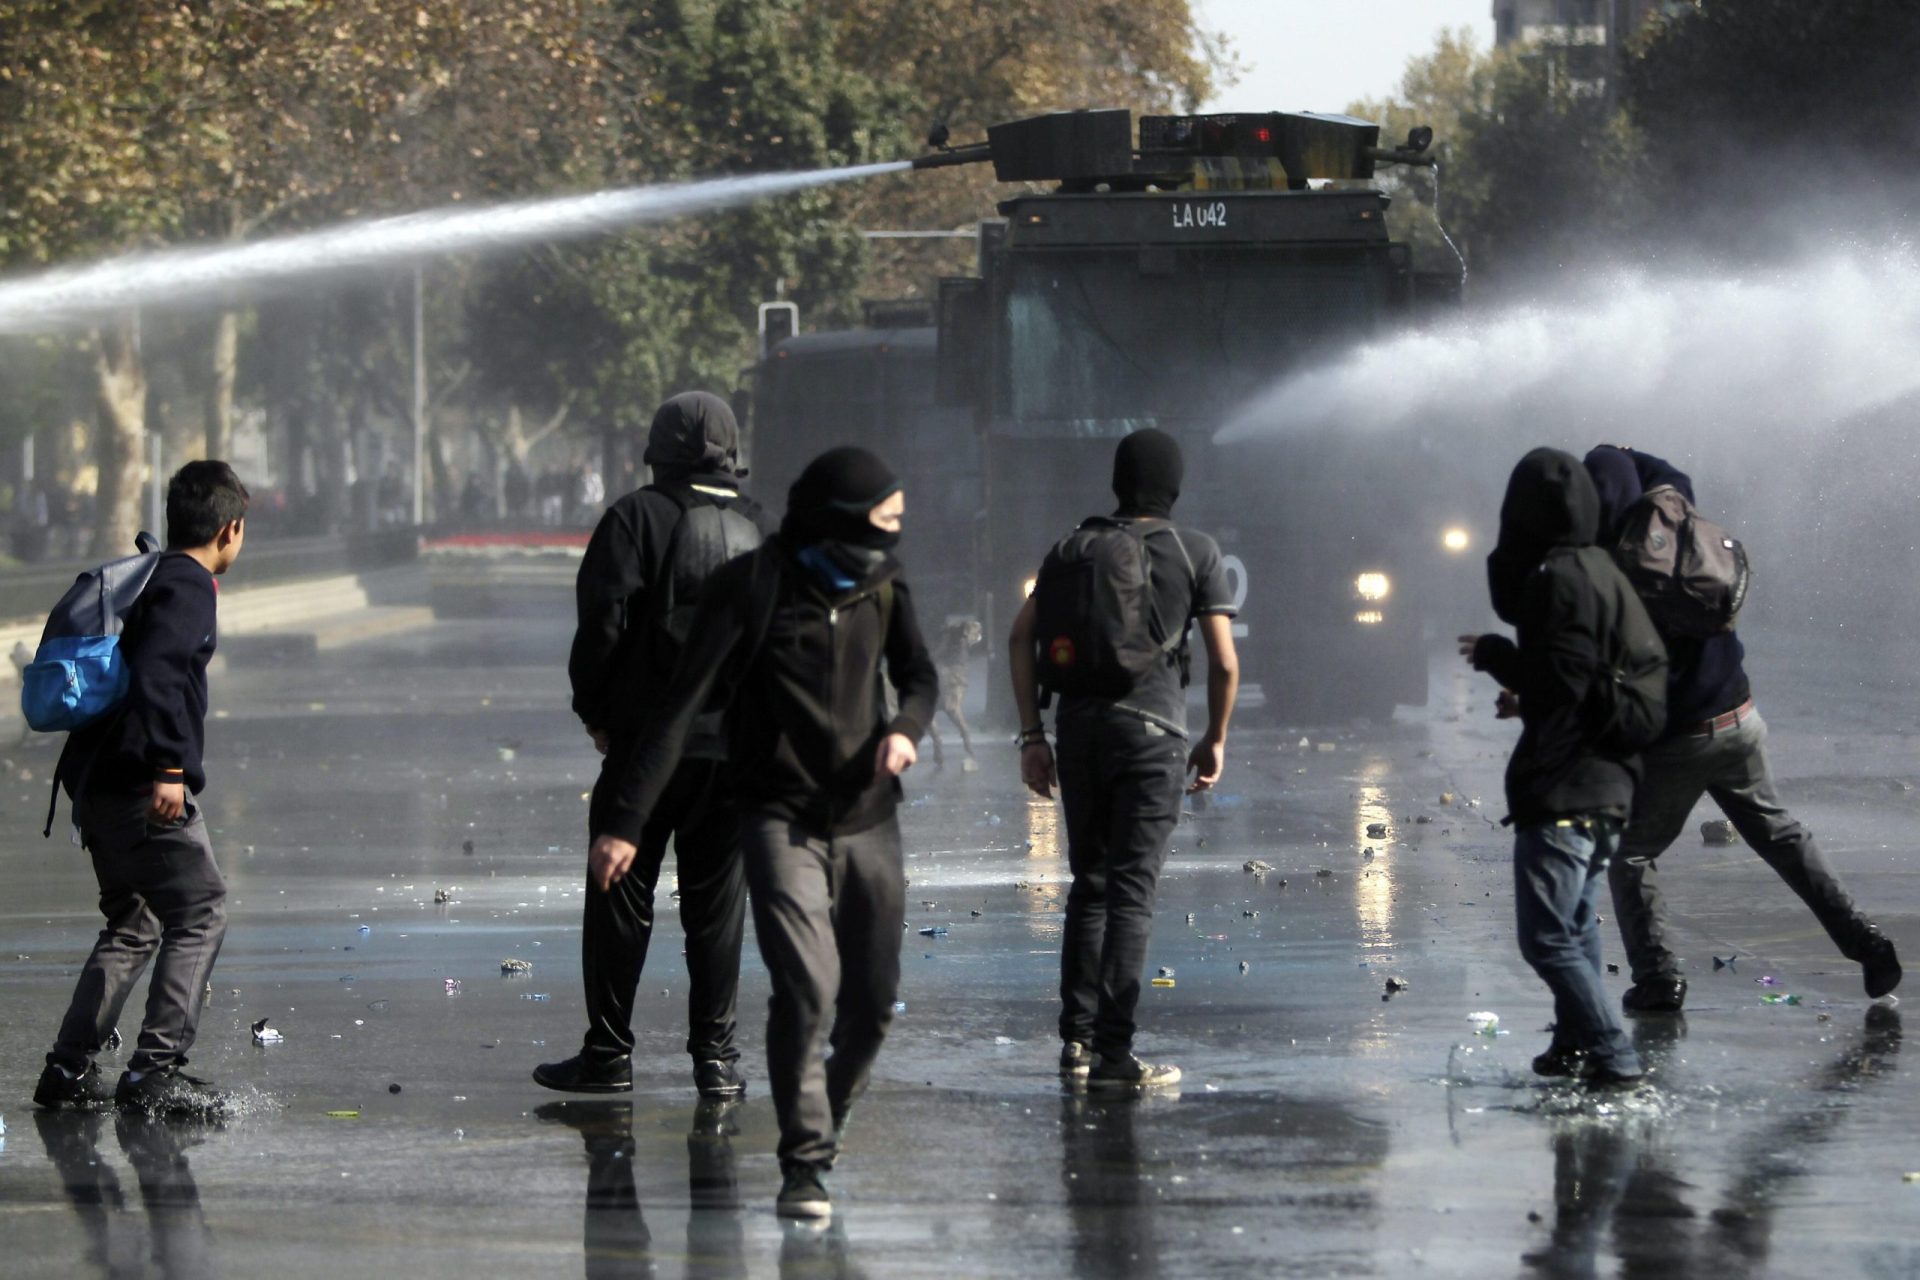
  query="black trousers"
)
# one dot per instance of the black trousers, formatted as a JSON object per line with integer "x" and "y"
{"x": 164, "y": 900}
{"x": 1120, "y": 782}
{"x": 696, "y": 814}
{"x": 828, "y": 912}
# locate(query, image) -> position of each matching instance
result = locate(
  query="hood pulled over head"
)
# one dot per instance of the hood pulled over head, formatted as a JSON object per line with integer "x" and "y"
{"x": 831, "y": 499}
{"x": 1147, "y": 471}
{"x": 1551, "y": 502}
{"x": 694, "y": 432}
{"x": 1617, "y": 482}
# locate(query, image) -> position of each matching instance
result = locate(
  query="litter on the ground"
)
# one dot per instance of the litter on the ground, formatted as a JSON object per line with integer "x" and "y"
{"x": 513, "y": 964}
{"x": 1484, "y": 1022}
{"x": 264, "y": 1034}
{"x": 453, "y": 986}
{"x": 1376, "y": 831}
{"x": 1719, "y": 964}
{"x": 1446, "y": 797}
{"x": 1779, "y": 997}
{"x": 1244, "y": 966}
{"x": 344, "y": 1113}
{"x": 1163, "y": 982}
{"x": 934, "y": 931}
{"x": 1718, "y": 831}
{"x": 1255, "y": 867}
{"x": 1166, "y": 971}
{"x": 1395, "y": 985}
{"x": 535, "y": 995}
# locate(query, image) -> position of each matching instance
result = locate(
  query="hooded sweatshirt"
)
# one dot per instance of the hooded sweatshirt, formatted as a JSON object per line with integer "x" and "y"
{"x": 790, "y": 639}
{"x": 1562, "y": 595}
{"x": 1707, "y": 676}
{"x": 692, "y": 447}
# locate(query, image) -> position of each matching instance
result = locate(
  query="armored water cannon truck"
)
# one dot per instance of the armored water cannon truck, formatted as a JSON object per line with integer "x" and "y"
{"x": 1169, "y": 277}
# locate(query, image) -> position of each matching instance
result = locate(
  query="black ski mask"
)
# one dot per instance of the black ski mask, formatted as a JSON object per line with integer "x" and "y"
{"x": 1147, "y": 470}
{"x": 694, "y": 433}
{"x": 827, "y": 514}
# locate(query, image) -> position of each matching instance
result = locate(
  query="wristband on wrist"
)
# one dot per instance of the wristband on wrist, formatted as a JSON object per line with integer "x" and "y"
{"x": 1037, "y": 735}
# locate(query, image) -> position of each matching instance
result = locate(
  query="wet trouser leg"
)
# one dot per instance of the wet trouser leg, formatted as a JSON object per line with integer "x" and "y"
{"x": 1557, "y": 873}
{"x": 828, "y": 913}
{"x": 1743, "y": 788}
{"x": 159, "y": 891}
{"x": 1120, "y": 784}
{"x": 1730, "y": 766}
{"x": 1674, "y": 776}
{"x": 696, "y": 815}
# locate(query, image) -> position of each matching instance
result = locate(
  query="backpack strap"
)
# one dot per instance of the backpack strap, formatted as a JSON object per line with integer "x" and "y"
{"x": 1144, "y": 529}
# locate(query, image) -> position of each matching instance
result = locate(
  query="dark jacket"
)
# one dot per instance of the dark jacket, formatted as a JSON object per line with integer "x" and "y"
{"x": 799, "y": 673}
{"x": 1707, "y": 676}
{"x": 1562, "y": 595}
{"x": 160, "y": 731}
{"x": 612, "y": 680}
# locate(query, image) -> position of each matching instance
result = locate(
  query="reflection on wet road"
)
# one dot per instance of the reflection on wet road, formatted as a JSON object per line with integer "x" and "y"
{"x": 408, "y": 813}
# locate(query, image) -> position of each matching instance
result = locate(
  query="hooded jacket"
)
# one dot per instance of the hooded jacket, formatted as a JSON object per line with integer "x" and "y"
{"x": 1562, "y": 595}
{"x": 1707, "y": 676}
{"x": 798, "y": 667}
{"x": 691, "y": 448}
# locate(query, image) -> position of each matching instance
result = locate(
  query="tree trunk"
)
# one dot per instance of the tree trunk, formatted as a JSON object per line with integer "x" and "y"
{"x": 121, "y": 390}
{"x": 225, "y": 348}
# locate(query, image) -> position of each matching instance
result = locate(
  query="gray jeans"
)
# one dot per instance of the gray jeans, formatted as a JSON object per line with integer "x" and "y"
{"x": 828, "y": 912}
{"x": 1731, "y": 767}
{"x": 159, "y": 891}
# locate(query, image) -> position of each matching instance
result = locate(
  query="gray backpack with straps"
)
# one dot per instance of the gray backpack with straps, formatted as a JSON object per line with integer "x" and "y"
{"x": 705, "y": 537}
{"x": 1097, "y": 629}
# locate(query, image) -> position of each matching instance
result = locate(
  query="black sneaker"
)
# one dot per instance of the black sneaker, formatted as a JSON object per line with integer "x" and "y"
{"x": 1660, "y": 994}
{"x": 1879, "y": 965}
{"x": 581, "y": 1074}
{"x": 1076, "y": 1059}
{"x": 88, "y": 1091}
{"x": 803, "y": 1195}
{"x": 717, "y": 1079}
{"x": 1130, "y": 1073}
{"x": 170, "y": 1093}
{"x": 1561, "y": 1062}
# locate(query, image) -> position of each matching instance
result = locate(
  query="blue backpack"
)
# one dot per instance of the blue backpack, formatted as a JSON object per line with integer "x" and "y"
{"x": 78, "y": 674}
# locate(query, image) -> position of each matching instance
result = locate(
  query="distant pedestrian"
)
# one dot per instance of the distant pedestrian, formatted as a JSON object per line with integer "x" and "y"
{"x": 644, "y": 572}
{"x": 1590, "y": 674}
{"x": 1714, "y": 745}
{"x": 132, "y": 777}
{"x": 792, "y": 638}
{"x": 1107, "y": 628}
{"x": 517, "y": 490}
{"x": 590, "y": 493}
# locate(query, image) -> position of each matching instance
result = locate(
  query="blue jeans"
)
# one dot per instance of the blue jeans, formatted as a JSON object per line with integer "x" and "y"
{"x": 1558, "y": 872}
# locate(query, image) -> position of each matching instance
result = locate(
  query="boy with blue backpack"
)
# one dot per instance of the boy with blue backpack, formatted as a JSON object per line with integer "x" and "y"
{"x": 131, "y": 771}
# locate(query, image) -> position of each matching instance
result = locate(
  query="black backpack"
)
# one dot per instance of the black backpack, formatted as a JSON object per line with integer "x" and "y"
{"x": 1691, "y": 574}
{"x": 1628, "y": 704}
{"x": 705, "y": 537}
{"x": 1097, "y": 628}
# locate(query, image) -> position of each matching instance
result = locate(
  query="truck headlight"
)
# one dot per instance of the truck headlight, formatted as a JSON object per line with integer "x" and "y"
{"x": 1455, "y": 539}
{"x": 1026, "y": 588}
{"x": 1372, "y": 586}
{"x": 1369, "y": 617}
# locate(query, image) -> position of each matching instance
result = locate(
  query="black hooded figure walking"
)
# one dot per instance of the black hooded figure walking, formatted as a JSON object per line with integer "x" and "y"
{"x": 1123, "y": 760}
{"x": 644, "y": 572}
{"x": 791, "y": 639}
{"x": 1590, "y": 674}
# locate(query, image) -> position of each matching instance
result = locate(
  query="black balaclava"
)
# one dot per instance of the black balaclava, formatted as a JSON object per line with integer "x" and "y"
{"x": 694, "y": 433}
{"x": 1550, "y": 502}
{"x": 1147, "y": 470}
{"x": 826, "y": 521}
{"x": 1617, "y": 481}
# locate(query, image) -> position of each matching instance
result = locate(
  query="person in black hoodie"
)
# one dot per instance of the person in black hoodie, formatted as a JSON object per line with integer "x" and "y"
{"x": 790, "y": 639}
{"x": 1568, "y": 796}
{"x": 132, "y": 776}
{"x": 639, "y": 582}
{"x": 1714, "y": 745}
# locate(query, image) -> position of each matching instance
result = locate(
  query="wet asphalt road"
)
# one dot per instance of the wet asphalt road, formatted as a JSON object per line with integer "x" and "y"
{"x": 1320, "y": 1130}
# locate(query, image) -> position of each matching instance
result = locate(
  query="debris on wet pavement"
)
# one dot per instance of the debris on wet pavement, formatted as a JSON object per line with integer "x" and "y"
{"x": 1718, "y": 831}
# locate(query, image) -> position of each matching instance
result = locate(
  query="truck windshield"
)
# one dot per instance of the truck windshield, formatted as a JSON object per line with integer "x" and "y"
{"x": 1100, "y": 343}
